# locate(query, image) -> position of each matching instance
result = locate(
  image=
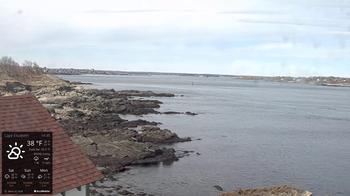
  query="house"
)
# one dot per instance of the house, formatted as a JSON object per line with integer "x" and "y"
{"x": 71, "y": 168}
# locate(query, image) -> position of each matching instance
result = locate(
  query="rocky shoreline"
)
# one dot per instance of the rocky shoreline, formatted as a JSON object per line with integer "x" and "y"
{"x": 92, "y": 119}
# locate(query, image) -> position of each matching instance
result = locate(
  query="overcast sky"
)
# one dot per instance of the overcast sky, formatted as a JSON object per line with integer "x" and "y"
{"x": 249, "y": 37}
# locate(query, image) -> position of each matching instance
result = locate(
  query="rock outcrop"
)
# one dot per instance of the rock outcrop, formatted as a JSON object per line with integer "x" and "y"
{"x": 91, "y": 118}
{"x": 272, "y": 191}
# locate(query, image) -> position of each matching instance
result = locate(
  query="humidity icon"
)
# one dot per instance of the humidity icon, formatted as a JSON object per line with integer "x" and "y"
{"x": 15, "y": 152}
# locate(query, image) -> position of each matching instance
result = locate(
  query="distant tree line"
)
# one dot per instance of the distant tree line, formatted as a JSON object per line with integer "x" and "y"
{"x": 22, "y": 72}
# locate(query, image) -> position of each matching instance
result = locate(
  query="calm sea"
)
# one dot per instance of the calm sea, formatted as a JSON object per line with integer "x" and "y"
{"x": 253, "y": 134}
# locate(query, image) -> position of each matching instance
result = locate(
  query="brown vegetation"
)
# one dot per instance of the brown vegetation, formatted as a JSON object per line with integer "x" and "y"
{"x": 29, "y": 73}
{"x": 13, "y": 70}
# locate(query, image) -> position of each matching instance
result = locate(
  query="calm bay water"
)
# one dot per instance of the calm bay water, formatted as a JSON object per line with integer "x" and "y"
{"x": 253, "y": 133}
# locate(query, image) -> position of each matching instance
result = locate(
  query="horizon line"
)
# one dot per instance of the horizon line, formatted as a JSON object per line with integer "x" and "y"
{"x": 192, "y": 73}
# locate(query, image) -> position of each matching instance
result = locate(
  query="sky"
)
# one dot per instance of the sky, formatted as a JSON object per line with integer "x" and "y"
{"x": 236, "y": 37}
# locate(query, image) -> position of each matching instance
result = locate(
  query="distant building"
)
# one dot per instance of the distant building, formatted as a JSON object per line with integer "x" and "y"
{"x": 72, "y": 169}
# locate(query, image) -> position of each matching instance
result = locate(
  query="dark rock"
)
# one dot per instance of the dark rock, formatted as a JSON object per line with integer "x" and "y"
{"x": 135, "y": 93}
{"x": 92, "y": 118}
{"x": 76, "y": 114}
{"x": 139, "y": 122}
{"x": 80, "y": 83}
{"x": 65, "y": 88}
{"x": 219, "y": 188}
{"x": 109, "y": 191}
{"x": 125, "y": 192}
{"x": 118, "y": 187}
{"x": 15, "y": 87}
{"x": 191, "y": 113}
{"x": 165, "y": 155}
{"x": 156, "y": 135}
{"x": 51, "y": 110}
{"x": 171, "y": 112}
{"x": 107, "y": 171}
{"x": 91, "y": 123}
{"x": 123, "y": 134}
{"x": 2, "y": 89}
{"x": 181, "y": 154}
{"x": 112, "y": 102}
{"x": 93, "y": 191}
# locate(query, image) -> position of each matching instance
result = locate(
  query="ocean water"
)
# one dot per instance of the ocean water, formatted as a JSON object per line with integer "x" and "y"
{"x": 252, "y": 134}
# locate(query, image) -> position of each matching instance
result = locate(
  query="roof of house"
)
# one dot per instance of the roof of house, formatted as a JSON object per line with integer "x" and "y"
{"x": 71, "y": 167}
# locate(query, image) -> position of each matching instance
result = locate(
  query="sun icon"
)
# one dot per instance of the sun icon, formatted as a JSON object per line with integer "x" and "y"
{"x": 15, "y": 152}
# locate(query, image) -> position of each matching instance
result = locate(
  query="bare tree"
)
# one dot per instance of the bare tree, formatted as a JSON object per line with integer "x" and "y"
{"x": 23, "y": 73}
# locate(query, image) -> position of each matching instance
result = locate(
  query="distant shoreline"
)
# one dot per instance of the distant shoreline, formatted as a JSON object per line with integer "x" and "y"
{"x": 329, "y": 81}
{"x": 73, "y": 71}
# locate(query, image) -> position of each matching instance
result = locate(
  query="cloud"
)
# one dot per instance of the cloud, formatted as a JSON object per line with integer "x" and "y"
{"x": 135, "y": 11}
{"x": 292, "y": 23}
{"x": 248, "y": 67}
{"x": 251, "y": 12}
{"x": 204, "y": 36}
{"x": 342, "y": 33}
{"x": 274, "y": 46}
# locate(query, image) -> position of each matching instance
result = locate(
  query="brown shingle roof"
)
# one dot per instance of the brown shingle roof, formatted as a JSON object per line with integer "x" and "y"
{"x": 71, "y": 167}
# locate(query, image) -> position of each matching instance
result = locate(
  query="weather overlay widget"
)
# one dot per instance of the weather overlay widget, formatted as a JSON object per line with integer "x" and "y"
{"x": 27, "y": 163}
